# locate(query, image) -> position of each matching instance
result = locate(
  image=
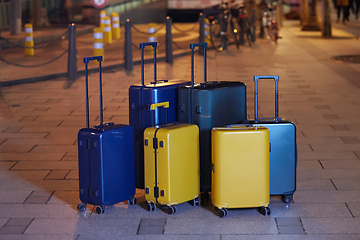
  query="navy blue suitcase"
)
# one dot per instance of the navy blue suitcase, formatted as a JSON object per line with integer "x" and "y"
{"x": 106, "y": 159}
{"x": 283, "y": 154}
{"x": 141, "y": 96}
{"x": 208, "y": 105}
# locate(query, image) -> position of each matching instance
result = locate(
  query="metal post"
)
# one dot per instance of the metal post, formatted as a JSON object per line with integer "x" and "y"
{"x": 313, "y": 22}
{"x": 72, "y": 61}
{"x": 168, "y": 45}
{"x": 15, "y": 23}
{"x": 241, "y": 34}
{"x": 253, "y": 27}
{"x": 326, "y": 30}
{"x": 201, "y": 32}
{"x": 128, "y": 46}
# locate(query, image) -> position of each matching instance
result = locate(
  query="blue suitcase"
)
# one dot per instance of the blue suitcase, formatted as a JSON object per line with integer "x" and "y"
{"x": 141, "y": 96}
{"x": 106, "y": 160}
{"x": 208, "y": 105}
{"x": 283, "y": 154}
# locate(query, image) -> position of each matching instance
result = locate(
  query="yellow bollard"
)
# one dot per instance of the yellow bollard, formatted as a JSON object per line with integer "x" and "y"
{"x": 107, "y": 31}
{"x": 102, "y": 19}
{"x": 207, "y": 31}
{"x": 98, "y": 42}
{"x": 29, "y": 41}
{"x": 115, "y": 28}
{"x": 152, "y": 36}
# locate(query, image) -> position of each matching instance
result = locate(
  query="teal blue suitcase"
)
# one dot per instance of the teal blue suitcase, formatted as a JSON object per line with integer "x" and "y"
{"x": 208, "y": 105}
{"x": 283, "y": 152}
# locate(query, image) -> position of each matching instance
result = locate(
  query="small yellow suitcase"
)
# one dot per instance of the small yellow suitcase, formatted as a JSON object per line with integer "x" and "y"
{"x": 241, "y": 168}
{"x": 172, "y": 164}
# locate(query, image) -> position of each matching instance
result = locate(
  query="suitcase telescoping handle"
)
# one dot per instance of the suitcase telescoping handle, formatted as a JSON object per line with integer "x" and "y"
{"x": 142, "y": 46}
{"x": 86, "y": 61}
{"x": 165, "y": 105}
{"x": 192, "y": 47}
{"x": 276, "y": 79}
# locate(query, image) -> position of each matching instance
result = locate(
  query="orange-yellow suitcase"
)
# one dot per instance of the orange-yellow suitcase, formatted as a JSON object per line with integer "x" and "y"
{"x": 241, "y": 168}
{"x": 172, "y": 164}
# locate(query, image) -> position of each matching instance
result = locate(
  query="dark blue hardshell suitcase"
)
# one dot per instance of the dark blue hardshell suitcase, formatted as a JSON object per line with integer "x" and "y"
{"x": 106, "y": 160}
{"x": 208, "y": 105}
{"x": 283, "y": 154}
{"x": 141, "y": 96}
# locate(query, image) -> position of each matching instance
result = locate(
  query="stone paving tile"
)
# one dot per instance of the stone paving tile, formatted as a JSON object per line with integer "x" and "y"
{"x": 58, "y": 184}
{"x": 3, "y": 221}
{"x": 350, "y": 140}
{"x": 354, "y": 208}
{"x": 314, "y": 184}
{"x": 331, "y": 225}
{"x": 84, "y": 226}
{"x": 12, "y": 129}
{"x": 12, "y": 230}
{"x": 334, "y": 147}
{"x": 31, "y": 156}
{"x": 340, "y": 164}
{"x": 291, "y": 230}
{"x": 54, "y": 148}
{"x": 347, "y": 184}
{"x": 328, "y": 155}
{"x": 290, "y": 237}
{"x": 13, "y": 196}
{"x": 152, "y": 237}
{"x": 36, "y": 237}
{"x": 69, "y": 197}
{"x": 225, "y": 226}
{"x": 311, "y": 210}
{"x": 322, "y": 107}
{"x": 326, "y": 196}
{"x": 23, "y": 135}
{"x": 10, "y": 147}
{"x": 57, "y": 175}
{"x": 6, "y": 165}
{"x": 327, "y": 173}
{"x": 319, "y": 140}
{"x": 19, "y": 221}
{"x": 340, "y": 127}
{"x": 45, "y": 165}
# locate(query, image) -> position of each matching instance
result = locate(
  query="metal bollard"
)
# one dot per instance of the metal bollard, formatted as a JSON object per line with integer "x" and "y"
{"x": 102, "y": 19}
{"x": 98, "y": 42}
{"x": 152, "y": 36}
{"x": 128, "y": 47}
{"x": 115, "y": 27}
{"x": 107, "y": 31}
{"x": 72, "y": 67}
{"x": 241, "y": 35}
{"x": 29, "y": 41}
{"x": 201, "y": 32}
{"x": 169, "y": 49}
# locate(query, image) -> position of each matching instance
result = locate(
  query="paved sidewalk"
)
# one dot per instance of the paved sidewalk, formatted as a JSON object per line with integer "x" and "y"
{"x": 38, "y": 161}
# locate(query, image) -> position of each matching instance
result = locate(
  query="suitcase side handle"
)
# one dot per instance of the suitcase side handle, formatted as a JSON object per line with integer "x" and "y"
{"x": 154, "y": 106}
{"x": 276, "y": 79}
{"x": 142, "y": 46}
{"x": 86, "y": 61}
{"x": 192, "y": 47}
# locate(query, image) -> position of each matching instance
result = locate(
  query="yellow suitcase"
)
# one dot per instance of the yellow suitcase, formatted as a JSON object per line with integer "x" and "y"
{"x": 172, "y": 164}
{"x": 241, "y": 168}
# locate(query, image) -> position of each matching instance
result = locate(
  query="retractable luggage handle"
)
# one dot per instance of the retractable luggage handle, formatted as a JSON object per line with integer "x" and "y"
{"x": 192, "y": 47}
{"x": 86, "y": 61}
{"x": 162, "y": 104}
{"x": 276, "y": 79}
{"x": 142, "y": 46}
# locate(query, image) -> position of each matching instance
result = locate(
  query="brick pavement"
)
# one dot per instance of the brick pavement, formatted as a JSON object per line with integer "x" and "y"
{"x": 38, "y": 161}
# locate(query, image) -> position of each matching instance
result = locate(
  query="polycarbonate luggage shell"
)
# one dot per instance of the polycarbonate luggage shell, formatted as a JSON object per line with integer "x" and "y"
{"x": 283, "y": 155}
{"x": 106, "y": 160}
{"x": 141, "y": 96}
{"x": 208, "y": 105}
{"x": 171, "y": 160}
{"x": 240, "y": 168}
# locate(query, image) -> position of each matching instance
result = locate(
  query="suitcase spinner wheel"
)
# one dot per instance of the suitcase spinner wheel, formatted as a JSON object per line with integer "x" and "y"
{"x": 132, "y": 201}
{"x": 194, "y": 202}
{"x": 265, "y": 211}
{"x": 222, "y": 212}
{"x": 81, "y": 207}
{"x": 151, "y": 206}
{"x": 171, "y": 210}
{"x": 100, "y": 209}
{"x": 287, "y": 198}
